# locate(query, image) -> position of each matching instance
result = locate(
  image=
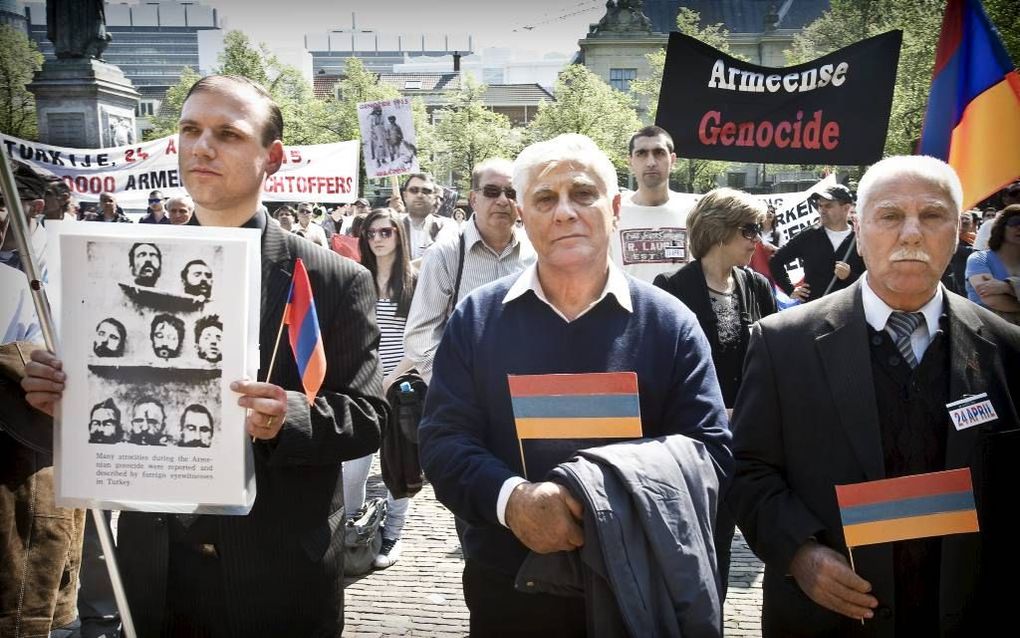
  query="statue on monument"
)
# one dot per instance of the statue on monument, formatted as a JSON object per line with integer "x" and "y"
{"x": 622, "y": 17}
{"x": 77, "y": 28}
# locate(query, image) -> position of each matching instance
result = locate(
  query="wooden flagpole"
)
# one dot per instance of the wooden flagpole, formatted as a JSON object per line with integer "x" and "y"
{"x": 276, "y": 348}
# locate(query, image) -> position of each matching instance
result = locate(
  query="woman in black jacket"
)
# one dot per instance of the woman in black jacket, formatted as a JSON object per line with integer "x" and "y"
{"x": 727, "y": 297}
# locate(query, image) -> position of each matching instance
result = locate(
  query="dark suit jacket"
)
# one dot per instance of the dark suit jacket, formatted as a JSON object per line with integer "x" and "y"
{"x": 754, "y": 293}
{"x": 282, "y": 563}
{"x": 806, "y": 420}
{"x": 814, "y": 250}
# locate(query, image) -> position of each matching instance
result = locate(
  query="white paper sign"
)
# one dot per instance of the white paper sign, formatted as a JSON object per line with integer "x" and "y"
{"x": 154, "y": 323}
{"x": 326, "y": 173}
{"x": 388, "y": 139}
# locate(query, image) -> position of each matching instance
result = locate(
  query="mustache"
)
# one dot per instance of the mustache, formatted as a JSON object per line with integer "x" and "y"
{"x": 910, "y": 254}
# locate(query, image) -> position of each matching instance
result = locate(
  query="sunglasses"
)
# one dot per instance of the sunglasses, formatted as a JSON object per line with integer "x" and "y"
{"x": 424, "y": 190}
{"x": 493, "y": 192}
{"x": 384, "y": 233}
{"x": 750, "y": 231}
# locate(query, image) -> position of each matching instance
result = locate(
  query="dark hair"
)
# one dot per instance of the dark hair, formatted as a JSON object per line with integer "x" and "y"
{"x": 650, "y": 131}
{"x": 152, "y": 400}
{"x": 193, "y": 262}
{"x": 106, "y": 405}
{"x": 211, "y": 321}
{"x": 120, "y": 330}
{"x": 999, "y": 226}
{"x": 425, "y": 177}
{"x": 272, "y": 130}
{"x": 176, "y": 322}
{"x": 194, "y": 407}
{"x": 134, "y": 246}
{"x": 357, "y": 224}
{"x": 402, "y": 280}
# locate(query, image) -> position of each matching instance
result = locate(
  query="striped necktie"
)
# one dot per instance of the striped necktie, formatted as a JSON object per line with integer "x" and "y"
{"x": 903, "y": 325}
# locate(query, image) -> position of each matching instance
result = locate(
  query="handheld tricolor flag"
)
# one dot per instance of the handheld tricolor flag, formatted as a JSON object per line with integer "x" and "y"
{"x": 917, "y": 506}
{"x": 303, "y": 328}
{"x": 974, "y": 103}
{"x": 599, "y": 405}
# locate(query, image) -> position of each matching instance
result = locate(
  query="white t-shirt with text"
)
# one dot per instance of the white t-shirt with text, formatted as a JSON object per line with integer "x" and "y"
{"x": 650, "y": 240}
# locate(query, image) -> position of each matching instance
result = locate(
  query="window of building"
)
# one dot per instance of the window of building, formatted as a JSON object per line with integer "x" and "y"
{"x": 620, "y": 79}
{"x": 736, "y": 180}
{"x": 146, "y": 108}
{"x": 412, "y": 84}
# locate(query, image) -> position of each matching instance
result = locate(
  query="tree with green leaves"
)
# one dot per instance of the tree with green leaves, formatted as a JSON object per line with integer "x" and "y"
{"x": 164, "y": 122}
{"x": 692, "y": 175}
{"x": 468, "y": 133}
{"x": 241, "y": 57}
{"x": 430, "y": 146}
{"x": 849, "y": 21}
{"x": 305, "y": 118}
{"x": 340, "y": 116}
{"x": 688, "y": 23}
{"x": 585, "y": 104}
{"x": 1006, "y": 18}
{"x": 18, "y": 64}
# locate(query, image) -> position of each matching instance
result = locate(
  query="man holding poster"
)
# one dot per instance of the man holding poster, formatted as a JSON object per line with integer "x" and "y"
{"x": 865, "y": 385}
{"x": 277, "y": 571}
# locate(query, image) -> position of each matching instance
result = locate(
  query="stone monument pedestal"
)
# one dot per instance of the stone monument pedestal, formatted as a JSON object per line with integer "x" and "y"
{"x": 84, "y": 103}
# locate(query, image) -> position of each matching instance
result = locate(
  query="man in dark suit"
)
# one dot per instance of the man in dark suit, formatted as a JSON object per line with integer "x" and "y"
{"x": 855, "y": 388}
{"x": 277, "y": 571}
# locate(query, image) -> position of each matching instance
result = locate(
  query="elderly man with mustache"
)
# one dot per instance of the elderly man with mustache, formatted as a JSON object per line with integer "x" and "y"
{"x": 860, "y": 386}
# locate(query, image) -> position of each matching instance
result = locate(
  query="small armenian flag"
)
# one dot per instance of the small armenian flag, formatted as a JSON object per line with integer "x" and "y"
{"x": 303, "y": 329}
{"x": 916, "y": 506}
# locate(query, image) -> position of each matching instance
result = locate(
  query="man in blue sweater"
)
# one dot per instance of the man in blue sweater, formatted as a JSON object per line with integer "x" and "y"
{"x": 571, "y": 312}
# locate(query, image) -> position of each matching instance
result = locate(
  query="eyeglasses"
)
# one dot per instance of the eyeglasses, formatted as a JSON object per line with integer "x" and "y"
{"x": 750, "y": 231}
{"x": 384, "y": 233}
{"x": 424, "y": 190}
{"x": 493, "y": 192}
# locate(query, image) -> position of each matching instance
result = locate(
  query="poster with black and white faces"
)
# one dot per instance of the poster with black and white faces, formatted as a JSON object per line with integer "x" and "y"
{"x": 388, "y": 140}
{"x": 154, "y": 324}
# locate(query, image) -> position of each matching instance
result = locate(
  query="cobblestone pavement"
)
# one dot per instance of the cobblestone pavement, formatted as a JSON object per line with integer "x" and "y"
{"x": 421, "y": 594}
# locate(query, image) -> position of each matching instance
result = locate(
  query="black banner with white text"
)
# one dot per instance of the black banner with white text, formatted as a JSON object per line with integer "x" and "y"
{"x": 833, "y": 110}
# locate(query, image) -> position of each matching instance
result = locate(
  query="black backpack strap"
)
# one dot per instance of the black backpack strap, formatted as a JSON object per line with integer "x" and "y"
{"x": 460, "y": 272}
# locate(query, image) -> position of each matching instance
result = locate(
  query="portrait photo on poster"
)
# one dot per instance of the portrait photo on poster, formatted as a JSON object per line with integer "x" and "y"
{"x": 155, "y": 327}
{"x": 388, "y": 139}
{"x": 157, "y": 363}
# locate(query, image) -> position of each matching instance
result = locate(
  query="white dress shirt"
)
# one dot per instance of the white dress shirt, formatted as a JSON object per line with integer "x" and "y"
{"x": 616, "y": 285}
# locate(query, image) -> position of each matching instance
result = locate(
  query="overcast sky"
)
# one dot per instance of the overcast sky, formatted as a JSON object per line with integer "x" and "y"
{"x": 557, "y": 25}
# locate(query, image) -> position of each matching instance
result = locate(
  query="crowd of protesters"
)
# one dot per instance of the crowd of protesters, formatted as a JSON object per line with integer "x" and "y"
{"x": 548, "y": 269}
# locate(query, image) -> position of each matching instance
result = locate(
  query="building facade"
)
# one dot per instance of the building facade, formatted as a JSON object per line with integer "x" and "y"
{"x": 378, "y": 51}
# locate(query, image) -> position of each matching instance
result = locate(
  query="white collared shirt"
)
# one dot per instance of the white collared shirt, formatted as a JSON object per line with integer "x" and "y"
{"x": 616, "y": 285}
{"x": 437, "y": 279}
{"x": 877, "y": 312}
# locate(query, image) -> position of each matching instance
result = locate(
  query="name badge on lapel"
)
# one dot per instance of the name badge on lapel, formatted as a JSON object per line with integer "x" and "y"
{"x": 971, "y": 411}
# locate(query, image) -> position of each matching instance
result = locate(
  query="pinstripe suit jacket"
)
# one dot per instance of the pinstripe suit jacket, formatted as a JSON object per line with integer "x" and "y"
{"x": 283, "y": 563}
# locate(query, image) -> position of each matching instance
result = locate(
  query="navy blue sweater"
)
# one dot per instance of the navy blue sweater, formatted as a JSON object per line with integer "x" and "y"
{"x": 467, "y": 434}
